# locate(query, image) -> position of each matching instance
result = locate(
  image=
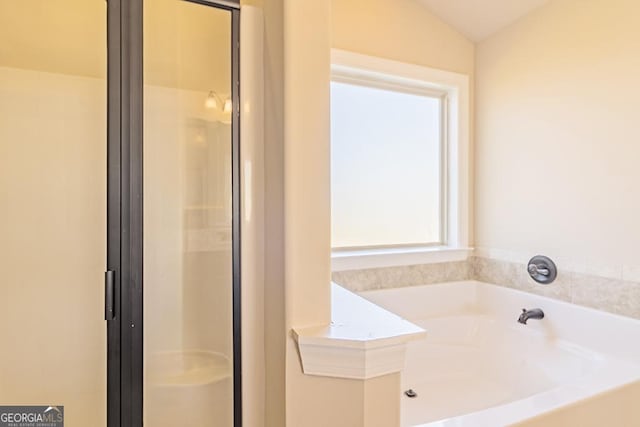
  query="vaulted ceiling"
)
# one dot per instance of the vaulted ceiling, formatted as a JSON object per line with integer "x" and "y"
{"x": 478, "y": 19}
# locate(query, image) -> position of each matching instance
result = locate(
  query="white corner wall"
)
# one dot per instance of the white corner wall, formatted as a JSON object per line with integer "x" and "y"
{"x": 557, "y": 133}
{"x": 252, "y": 154}
{"x": 307, "y": 228}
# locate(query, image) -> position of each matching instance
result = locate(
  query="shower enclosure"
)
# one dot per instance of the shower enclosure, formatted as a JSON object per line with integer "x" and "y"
{"x": 119, "y": 145}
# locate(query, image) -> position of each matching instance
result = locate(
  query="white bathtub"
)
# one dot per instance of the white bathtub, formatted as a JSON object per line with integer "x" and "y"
{"x": 479, "y": 367}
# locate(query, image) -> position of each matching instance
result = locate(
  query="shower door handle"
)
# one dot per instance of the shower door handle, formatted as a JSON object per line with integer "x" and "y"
{"x": 109, "y": 295}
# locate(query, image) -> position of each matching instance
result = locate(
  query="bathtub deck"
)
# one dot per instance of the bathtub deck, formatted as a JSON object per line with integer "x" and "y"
{"x": 478, "y": 367}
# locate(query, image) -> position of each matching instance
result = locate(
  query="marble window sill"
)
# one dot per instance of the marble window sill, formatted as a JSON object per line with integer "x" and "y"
{"x": 393, "y": 257}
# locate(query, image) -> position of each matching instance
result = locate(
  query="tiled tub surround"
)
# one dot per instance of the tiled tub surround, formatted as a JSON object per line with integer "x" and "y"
{"x": 614, "y": 295}
{"x": 613, "y": 290}
{"x": 406, "y": 275}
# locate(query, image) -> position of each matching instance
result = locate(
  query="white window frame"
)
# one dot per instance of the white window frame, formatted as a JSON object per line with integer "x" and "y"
{"x": 349, "y": 67}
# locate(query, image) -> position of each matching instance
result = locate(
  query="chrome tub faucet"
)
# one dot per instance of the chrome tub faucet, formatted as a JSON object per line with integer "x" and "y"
{"x": 536, "y": 313}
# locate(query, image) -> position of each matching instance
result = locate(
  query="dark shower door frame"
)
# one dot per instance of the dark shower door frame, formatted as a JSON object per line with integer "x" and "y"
{"x": 125, "y": 285}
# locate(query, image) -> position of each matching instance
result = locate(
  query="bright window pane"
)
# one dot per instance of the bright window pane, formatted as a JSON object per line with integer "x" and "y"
{"x": 385, "y": 167}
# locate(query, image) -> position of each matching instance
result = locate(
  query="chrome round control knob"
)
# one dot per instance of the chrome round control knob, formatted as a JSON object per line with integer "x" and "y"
{"x": 542, "y": 269}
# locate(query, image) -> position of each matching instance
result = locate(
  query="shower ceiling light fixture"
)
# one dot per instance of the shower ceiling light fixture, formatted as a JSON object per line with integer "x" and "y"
{"x": 213, "y": 100}
{"x": 227, "y": 105}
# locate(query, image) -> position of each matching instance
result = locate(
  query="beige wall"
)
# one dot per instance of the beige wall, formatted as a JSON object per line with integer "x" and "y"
{"x": 402, "y": 30}
{"x": 382, "y": 401}
{"x": 68, "y": 37}
{"x": 53, "y": 209}
{"x": 557, "y": 133}
{"x": 53, "y": 244}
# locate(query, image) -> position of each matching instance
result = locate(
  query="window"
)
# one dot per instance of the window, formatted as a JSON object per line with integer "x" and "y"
{"x": 399, "y": 167}
{"x": 387, "y": 157}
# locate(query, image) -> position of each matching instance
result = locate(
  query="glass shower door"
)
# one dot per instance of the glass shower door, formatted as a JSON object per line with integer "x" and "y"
{"x": 188, "y": 251}
{"x": 53, "y": 207}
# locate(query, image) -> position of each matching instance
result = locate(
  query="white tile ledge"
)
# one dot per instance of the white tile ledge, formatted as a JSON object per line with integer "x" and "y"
{"x": 393, "y": 257}
{"x": 363, "y": 340}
